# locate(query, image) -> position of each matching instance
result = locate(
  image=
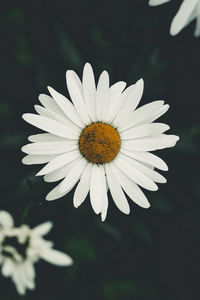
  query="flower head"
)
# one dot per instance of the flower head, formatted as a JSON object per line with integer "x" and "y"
{"x": 188, "y": 11}
{"x": 21, "y": 247}
{"x": 100, "y": 141}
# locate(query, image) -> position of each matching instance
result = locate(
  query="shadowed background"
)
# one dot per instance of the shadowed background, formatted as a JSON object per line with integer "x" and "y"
{"x": 150, "y": 254}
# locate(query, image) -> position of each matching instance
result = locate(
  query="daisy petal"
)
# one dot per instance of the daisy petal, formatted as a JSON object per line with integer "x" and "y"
{"x": 134, "y": 174}
{"x": 95, "y": 189}
{"x": 60, "y": 173}
{"x": 151, "y": 174}
{"x": 183, "y": 17}
{"x": 158, "y": 113}
{"x": 57, "y": 117}
{"x": 102, "y": 95}
{"x": 157, "y": 2}
{"x": 143, "y": 131}
{"x": 56, "y": 194}
{"x": 7, "y": 268}
{"x": 37, "y": 159}
{"x": 148, "y": 158}
{"x": 116, "y": 191}
{"x": 83, "y": 186}
{"x": 73, "y": 176}
{"x": 151, "y": 143}
{"x": 104, "y": 195}
{"x": 56, "y": 257}
{"x": 6, "y": 219}
{"x": 76, "y": 96}
{"x": 59, "y": 162}
{"x": 140, "y": 115}
{"x": 132, "y": 99}
{"x": 49, "y": 125}
{"x": 50, "y": 104}
{"x": 47, "y": 148}
{"x": 43, "y": 228}
{"x": 45, "y": 137}
{"x": 89, "y": 91}
{"x": 131, "y": 188}
{"x": 115, "y": 100}
{"x": 66, "y": 106}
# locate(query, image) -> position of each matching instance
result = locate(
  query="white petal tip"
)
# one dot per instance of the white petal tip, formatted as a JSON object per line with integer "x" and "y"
{"x": 39, "y": 174}
{"x": 50, "y": 89}
{"x": 87, "y": 65}
{"x": 24, "y": 116}
{"x": 147, "y": 206}
{"x": 103, "y": 215}
{"x": 23, "y": 149}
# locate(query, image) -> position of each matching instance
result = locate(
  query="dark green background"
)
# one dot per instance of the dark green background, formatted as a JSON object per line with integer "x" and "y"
{"x": 150, "y": 254}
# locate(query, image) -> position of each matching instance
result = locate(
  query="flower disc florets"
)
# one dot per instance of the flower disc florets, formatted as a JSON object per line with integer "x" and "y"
{"x": 99, "y": 143}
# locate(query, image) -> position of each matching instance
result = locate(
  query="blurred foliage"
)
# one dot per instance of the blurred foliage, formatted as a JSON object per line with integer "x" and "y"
{"x": 150, "y": 254}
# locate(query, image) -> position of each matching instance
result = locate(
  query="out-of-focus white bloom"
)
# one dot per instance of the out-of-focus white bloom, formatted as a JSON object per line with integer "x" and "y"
{"x": 21, "y": 247}
{"x": 188, "y": 11}
{"x": 101, "y": 141}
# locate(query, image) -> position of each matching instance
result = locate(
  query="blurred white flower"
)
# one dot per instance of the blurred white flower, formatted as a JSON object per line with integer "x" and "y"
{"x": 188, "y": 11}
{"x": 101, "y": 139}
{"x": 21, "y": 247}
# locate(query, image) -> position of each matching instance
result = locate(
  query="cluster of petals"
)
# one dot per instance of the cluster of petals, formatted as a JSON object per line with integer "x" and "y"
{"x": 63, "y": 122}
{"x": 188, "y": 11}
{"x": 21, "y": 247}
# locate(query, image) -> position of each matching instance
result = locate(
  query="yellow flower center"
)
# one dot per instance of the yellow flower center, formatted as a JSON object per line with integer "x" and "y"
{"x": 99, "y": 143}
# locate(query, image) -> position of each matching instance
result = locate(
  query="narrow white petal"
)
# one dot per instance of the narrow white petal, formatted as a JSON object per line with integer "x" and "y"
{"x": 95, "y": 189}
{"x": 59, "y": 162}
{"x": 56, "y": 257}
{"x": 41, "y": 148}
{"x": 45, "y": 137}
{"x": 115, "y": 100}
{"x": 104, "y": 195}
{"x": 83, "y": 186}
{"x": 158, "y": 113}
{"x": 149, "y": 172}
{"x": 132, "y": 96}
{"x": 49, "y": 125}
{"x": 183, "y": 16}
{"x": 43, "y": 228}
{"x": 102, "y": 95}
{"x": 157, "y": 2}
{"x": 73, "y": 176}
{"x": 89, "y": 91}
{"x": 153, "y": 143}
{"x": 143, "y": 131}
{"x": 60, "y": 173}
{"x": 50, "y": 104}
{"x": 37, "y": 159}
{"x": 146, "y": 157}
{"x": 140, "y": 115}
{"x": 57, "y": 117}
{"x": 55, "y": 193}
{"x": 116, "y": 191}
{"x": 6, "y": 219}
{"x": 131, "y": 188}
{"x": 67, "y": 107}
{"x": 134, "y": 174}
{"x": 76, "y": 96}
{"x": 7, "y": 268}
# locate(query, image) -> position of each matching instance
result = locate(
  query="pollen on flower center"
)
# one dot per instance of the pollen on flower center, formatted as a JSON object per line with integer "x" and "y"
{"x": 99, "y": 143}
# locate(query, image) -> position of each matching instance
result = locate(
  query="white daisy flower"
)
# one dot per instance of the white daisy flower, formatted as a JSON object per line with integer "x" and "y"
{"x": 100, "y": 141}
{"x": 21, "y": 247}
{"x": 188, "y": 11}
